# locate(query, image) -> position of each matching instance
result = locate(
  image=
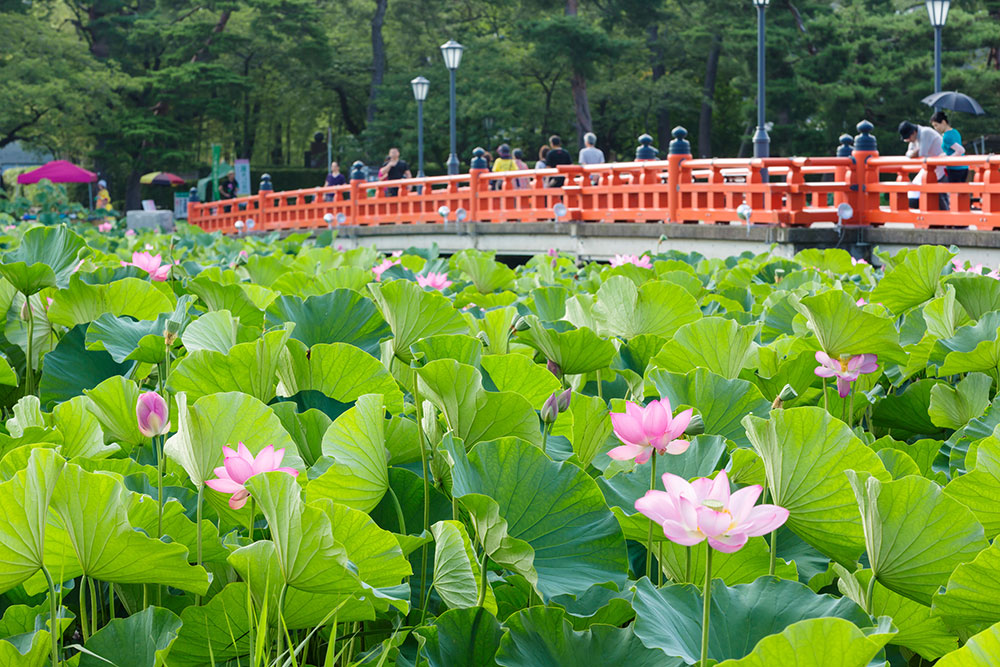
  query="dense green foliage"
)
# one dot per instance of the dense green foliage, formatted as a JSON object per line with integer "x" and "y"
{"x": 132, "y": 86}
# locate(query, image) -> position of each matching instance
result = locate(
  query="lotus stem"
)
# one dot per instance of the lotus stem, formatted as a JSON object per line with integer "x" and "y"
{"x": 545, "y": 437}
{"x": 427, "y": 490}
{"x": 281, "y": 621}
{"x": 253, "y": 516}
{"x": 200, "y": 502}
{"x": 399, "y": 512}
{"x": 84, "y": 629}
{"x": 850, "y": 410}
{"x": 600, "y": 391}
{"x": 482, "y": 571}
{"x": 659, "y": 564}
{"x": 53, "y": 615}
{"x": 93, "y": 605}
{"x": 158, "y": 445}
{"x": 649, "y": 537}
{"x": 687, "y": 564}
{"x": 869, "y": 594}
{"x": 707, "y": 594}
{"x": 826, "y": 398}
{"x": 29, "y": 373}
{"x": 774, "y": 552}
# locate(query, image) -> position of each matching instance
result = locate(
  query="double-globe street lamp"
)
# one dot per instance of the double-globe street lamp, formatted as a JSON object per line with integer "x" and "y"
{"x": 452, "y": 52}
{"x": 761, "y": 142}
{"x": 938, "y": 12}
{"x": 420, "y": 87}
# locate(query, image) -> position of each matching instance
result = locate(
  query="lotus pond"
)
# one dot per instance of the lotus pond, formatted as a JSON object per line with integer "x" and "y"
{"x": 261, "y": 451}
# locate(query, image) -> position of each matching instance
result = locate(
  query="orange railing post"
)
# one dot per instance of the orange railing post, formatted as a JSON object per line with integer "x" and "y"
{"x": 864, "y": 176}
{"x": 680, "y": 150}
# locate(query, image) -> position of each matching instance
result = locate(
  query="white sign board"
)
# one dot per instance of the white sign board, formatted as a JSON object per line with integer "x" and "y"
{"x": 242, "y": 167}
{"x": 181, "y": 205}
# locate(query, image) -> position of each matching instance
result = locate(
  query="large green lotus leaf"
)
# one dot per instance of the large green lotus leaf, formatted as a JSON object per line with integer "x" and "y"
{"x": 555, "y": 507}
{"x": 912, "y": 281}
{"x": 954, "y": 407}
{"x": 413, "y": 313}
{"x": 301, "y": 538}
{"x": 549, "y": 302}
{"x": 485, "y": 273}
{"x": 657, "y": 308}
{"x": 942, "y": 316}
{"x": 306, "y": 428}
{"x": 806, "y": 452}
{"x": 741, "y": 567}
{"x": 373, "y": 551}
{"x": 233, "y": 298}
{"x": 586, "y": 424}
{"x": 27, "y": 650}
{"x": 127, "y": 340}
{"x": 218, "y": 331}
{"x": 973, "y": 591}
{"x": 93, "y": 510}
{"x": 354, "y": 468}
{"x": 907, "y": 411}
{"x": 81, "y": 430}
{"x": 218, "y": 420}
{"x": 473, "y": 414}
{"x": 977, "y": 294}
{"x": 23, "y": 517}
{"x": 71, "y": 369}
{"x": 341, "y": 316}
{"x": 915, "y": 535}
{"x": 300, "y": 283}
{"x": 461, "y": 347}
{"x": 818, "y": 642}
{"x": 598, "y": 605}
{"x": 843, "y": 328}
{"x": 46, "y": 257}
{"x": 741, "y": 615}
{"x": 457, "y": 574}
{"x": 721, "y": 403}
{"x": 776, "y": 367}
{"x": 113, "y": 403}
{"x": 141, "y": 640}
{"x": 250, "y": 368}
{"x": 495, "y": 326}
{"x": 575, "y": 350}
{"x": 919, "y": 630}
{"x": 518, "y": 373}
{"x": 265, "y": 269}
{"x": 82, "y": 302}
{"x": 7, "y": 376}
{"x": 143, "y": 514}
{"x": 720, "y": 345}
{"x": 468, "y": 636}
{"x": 836, "y": 260}
{"x": 491, "y": 531}
{"x": 339, "y": 371}
{"x": 543, "y": 636}
{"x": 217, "y": 631}
{"x": 982, "y": 650}
{"x": 979, "y": 489}
{"x": 972, "y": 348}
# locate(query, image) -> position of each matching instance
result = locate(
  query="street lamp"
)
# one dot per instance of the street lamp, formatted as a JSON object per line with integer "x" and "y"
{"x": 938, "y": 12}
{"x": 452, "y": 52}
{"x": 761, "y": 142}
{"x": 420, "y": 86}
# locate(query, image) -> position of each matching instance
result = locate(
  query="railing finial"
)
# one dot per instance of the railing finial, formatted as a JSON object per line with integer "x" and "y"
{"x": 645, "y": 150}
{"x": 358, "y": 171}
{"x": 865, "y": 141}
{"x": 478, "y": 159}
{"x": 680, "y": 145}
{"x": 265, "y": 183}
{"x": 846, "y": 146}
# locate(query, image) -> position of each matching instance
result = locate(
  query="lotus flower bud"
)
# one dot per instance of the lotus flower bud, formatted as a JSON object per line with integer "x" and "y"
{"x": 562, "y": 402}
{"x": 25, "y": 310}
{"x": 554, "y": 368}
{"x": 170, "y": 331}
{"x": 151, "y": 413}
{"x": 787, "y": 393}
{"x": 520, "y": 324}
{"x": 550, "y": 410}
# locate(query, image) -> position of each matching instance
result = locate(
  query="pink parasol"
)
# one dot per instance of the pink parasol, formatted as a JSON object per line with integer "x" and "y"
{"x": 58, "y": 171}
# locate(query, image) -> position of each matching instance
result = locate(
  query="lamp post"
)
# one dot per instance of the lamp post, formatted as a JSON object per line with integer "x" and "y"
{"x": 452, "y": 52}
{"x": 938, "y": 12}
{"x": 761, "y": 142}
{"x": 420, "y": 86}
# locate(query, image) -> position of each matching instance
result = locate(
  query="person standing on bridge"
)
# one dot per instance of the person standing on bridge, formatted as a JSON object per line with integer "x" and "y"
{"x": 591, "y": 154}
{"x": 557, "y": 155}
{"x": 227, "y": 187}
{"x": 392, "y": 170}
{"x": 951, "y": 142}
{"x": 523, "y": 182}
{"x": 504, "y": 162}
{"x": 924, "y": 142}
{"x": 334, "y": 178}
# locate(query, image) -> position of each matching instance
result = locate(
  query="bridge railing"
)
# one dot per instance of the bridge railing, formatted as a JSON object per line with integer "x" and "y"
{"x": 797, "y": 191}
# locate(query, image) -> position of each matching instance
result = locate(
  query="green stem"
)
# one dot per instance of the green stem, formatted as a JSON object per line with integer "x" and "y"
{"x": 482, "y": 583}
{"x": 53, "y": 616}
{"x": 687, "y": 564}
{"x": 649, "y": 537}
{"x": 399, "y": 512}
{"x": 417, "y": 401}
{"x": 774, "y": 552}
{"x": 659, "y": 563}
{"x": 850, "y": 410}
{"x": 600, "y": 391}
{"x": 29, "y": 373}
{"x": 707, "y": 594}
{"x": 200, "y": 502}
{"x": 545, "y": 437}
{"x": 93, "y": 606}
{"x": 281, "y": 622}
{"x": 158, "y": 444}
{"x": 253, "y": 516}
{"x": 826, "y": 393}
{"x": 84, "y": 626}
{"x": 869, "y": 593}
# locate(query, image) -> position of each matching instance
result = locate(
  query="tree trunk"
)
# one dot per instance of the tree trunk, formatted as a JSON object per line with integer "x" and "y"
{"x": 133, "y": 197}
{"x": 578, "y": 85}
{"x": 659, "y": 69}
{"x": 220, "y": 25}
{"x": 708, "y": 97}
{"x": 378, "y": 57}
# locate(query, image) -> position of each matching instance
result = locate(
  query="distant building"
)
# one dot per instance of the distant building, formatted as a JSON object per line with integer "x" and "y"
{"x": 15, "y": 155}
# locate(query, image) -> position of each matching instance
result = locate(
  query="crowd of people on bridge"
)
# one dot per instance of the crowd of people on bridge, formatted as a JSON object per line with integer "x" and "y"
{"x": 941, "y": 139}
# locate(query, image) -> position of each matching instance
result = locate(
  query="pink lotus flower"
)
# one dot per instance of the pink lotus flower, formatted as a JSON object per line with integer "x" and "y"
{"x": 642, "y": 262}
{"x": 129, "y": 232}
{"x": 644, "y": 429}
{"x": 861, "y": 302}
{"x": 552, "y": 252}
{"x": 151, "y": 413}
{"x": 845, "y": 370}
{"x": 151, "y": 264}
{"x": 239, "y": 466}
{"x": 244, "y": 254}
{"x": 340, "y": 247}
{"x": 105, "y": 227}
{"x": 857, "y": 262}
{"x": 704, "y": 509}
{"x": 438, "y": 281}
{"x": 382, "y": 268}
{"x": 396, "y": 253}
{"x": 10, "y": 228}
{"x": 958, "y": 266}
